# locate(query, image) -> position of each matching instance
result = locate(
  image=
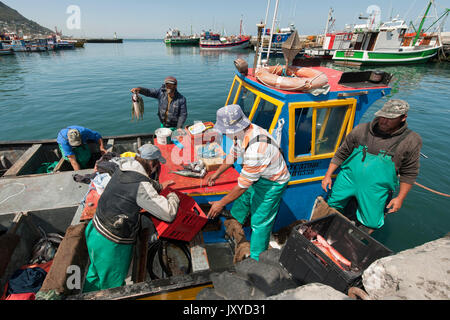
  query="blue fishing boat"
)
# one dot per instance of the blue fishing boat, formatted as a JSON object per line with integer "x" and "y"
{"x": 4, "y": 51}
{"x": 15, "y": 45}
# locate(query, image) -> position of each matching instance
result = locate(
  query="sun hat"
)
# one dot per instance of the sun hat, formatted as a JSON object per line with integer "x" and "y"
{"x": 150, "y": 152}
{"x": 74, "y": 137}
{"x": 394, "y": 108}
{"x": 231, "y": 119}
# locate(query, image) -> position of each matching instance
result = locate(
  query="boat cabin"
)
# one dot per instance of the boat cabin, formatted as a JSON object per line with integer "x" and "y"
{"x": 310, "y": 128}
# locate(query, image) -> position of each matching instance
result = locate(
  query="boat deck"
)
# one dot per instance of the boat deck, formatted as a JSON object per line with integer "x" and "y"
{"x": 175, "y": 157}
{"x": 38, "y": 192}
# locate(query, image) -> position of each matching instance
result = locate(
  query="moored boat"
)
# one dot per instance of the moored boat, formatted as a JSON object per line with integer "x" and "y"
{"x": 213, "y": 41}
{"x": 4, "y": 51}
{"x": 174, "y": 37}
{"x": 308, "y": 125}
{"x": 391, "y": 44}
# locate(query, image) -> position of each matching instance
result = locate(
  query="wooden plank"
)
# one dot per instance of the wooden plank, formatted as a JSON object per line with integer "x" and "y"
{"x": 110, "y": 145}
{"x": 59, "y": 165}
{"x": 23, "y": 160}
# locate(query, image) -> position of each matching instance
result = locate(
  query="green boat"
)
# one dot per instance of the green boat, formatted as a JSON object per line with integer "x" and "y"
{"x": 174, "y": 37}
{"x": 391, "y": 44}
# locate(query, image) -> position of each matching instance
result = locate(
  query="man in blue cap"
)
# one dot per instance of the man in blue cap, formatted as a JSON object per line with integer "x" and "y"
{"x": 262, "y": 181}
{"x": 112, "y": 233}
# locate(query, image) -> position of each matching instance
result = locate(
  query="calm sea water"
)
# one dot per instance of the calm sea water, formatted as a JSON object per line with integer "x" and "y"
{"x": 44, "y": 92}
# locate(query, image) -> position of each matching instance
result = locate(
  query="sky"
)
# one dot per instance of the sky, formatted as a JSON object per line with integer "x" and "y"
{"x": 150, "y": 19}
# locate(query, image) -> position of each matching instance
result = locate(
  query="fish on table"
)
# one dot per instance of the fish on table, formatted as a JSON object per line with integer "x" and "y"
{"x": 190, "y": 173}
{"x": 137, "y": 107}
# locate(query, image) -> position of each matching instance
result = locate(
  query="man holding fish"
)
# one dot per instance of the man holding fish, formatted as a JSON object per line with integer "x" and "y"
{"x": 172, "y": 110}
{"x": 262, "y": 181}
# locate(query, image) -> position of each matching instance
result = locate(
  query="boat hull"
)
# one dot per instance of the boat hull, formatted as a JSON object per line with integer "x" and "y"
{"x": 5, "y": 52}
{"x": 24, "y": 158}
{"x": 385, "y": 57}
{"x": 182, "y": 42}
{"x": 217, "y": 45}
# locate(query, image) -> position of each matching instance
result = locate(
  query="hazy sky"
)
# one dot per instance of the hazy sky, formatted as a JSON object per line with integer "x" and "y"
{"x": 152, "y": 18}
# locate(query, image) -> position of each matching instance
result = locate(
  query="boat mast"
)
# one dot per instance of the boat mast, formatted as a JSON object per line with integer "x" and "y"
{"x": 264, "y": 34}
{"x": 271, "y": 30}
{"x": 422, "y": 22}
{"x": 328, "y": 22}
{"x": 240, "y": 28}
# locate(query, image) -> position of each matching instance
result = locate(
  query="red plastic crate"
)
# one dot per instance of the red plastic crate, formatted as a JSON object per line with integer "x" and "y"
{"x": 187, "y": 222}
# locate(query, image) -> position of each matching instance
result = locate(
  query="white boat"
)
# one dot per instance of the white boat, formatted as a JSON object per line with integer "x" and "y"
{"x": 390, "y": 43}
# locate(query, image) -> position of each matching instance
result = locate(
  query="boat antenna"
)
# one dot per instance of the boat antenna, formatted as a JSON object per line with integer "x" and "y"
{"x": 271, "y": 30}
{"x": 264, "y": 35}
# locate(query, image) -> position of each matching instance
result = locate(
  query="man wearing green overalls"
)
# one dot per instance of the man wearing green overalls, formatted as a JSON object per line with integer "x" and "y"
{"x": 371, "y": 158}
{"x": 262, "y": 181}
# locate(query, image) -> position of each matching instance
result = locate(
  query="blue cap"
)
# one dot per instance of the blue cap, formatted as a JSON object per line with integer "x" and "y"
{"x": 231, "y": 119}
{"x": 150, "y": 152}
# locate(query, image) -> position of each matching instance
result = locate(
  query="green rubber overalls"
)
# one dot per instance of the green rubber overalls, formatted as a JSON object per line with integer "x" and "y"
{"x": 369, "y": 178}
{"x": 109, "y": 261}
{"x": 261, "y": 201}
{"x": 82, "y": 154}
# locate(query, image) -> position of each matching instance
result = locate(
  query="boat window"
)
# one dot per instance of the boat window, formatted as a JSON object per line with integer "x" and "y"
{"x": 265, "y": 114}
{"x": 303, "y": 125}
{"x": 318, "y": 128}
{"x": 328, "y": 126}
{"x": 246, "y": 100}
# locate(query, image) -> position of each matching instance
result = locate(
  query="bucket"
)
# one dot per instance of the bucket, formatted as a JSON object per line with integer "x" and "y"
{"x": 163, "y": 135}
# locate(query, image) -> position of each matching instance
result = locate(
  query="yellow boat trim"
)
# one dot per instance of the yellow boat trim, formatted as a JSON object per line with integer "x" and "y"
{"x": 259, "y": 95}
{"x": 346, "y": 126}
{"x": 231, "y": 90}
{"x": 183, "y": 294}
{"x": 208, "y": 194}
{"x": 309, "y": 180}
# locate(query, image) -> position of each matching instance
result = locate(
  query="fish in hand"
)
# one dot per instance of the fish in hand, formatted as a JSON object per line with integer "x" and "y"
{"x": 137, "y": 107}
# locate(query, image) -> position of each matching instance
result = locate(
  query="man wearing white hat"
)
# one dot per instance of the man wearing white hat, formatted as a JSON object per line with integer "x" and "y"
{"x": 262, "y": 181}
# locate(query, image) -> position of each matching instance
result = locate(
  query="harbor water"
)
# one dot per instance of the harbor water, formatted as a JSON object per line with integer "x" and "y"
{"x": 41, "y": 93}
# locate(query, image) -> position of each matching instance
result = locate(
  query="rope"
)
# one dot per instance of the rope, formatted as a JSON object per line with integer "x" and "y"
{"x": 16, "y": 194}
{"x": 433, "y": 191}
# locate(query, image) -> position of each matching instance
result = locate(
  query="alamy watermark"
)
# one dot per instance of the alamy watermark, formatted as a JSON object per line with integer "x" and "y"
{"x": 74, "y": 20}
{"x": 73, "y": 281}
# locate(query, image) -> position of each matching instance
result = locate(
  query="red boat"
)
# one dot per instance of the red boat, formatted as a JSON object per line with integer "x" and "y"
{"x": 214, "y": 41}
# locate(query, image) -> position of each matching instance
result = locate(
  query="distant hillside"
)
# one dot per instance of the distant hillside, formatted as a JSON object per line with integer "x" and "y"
{"x": 13, "y": 21}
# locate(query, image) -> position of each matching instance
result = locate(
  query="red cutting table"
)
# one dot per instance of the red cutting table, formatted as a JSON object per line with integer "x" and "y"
{"x": 176, "y": 157}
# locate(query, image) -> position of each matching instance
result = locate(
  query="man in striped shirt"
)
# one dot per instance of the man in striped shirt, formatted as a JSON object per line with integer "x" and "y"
{"x": 262, "y": 181}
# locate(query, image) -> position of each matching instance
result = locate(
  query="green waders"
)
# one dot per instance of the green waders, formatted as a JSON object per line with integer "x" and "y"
{"x": 261, "y": 201}
{"x": 109, "y": 261}
{"x": 82, "y": 154}
{"x": 370, "y": 178}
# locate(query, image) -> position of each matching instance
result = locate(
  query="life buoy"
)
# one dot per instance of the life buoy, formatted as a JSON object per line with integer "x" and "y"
{"x": 296, "y": 79}
{"x": 278, "y": 38}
